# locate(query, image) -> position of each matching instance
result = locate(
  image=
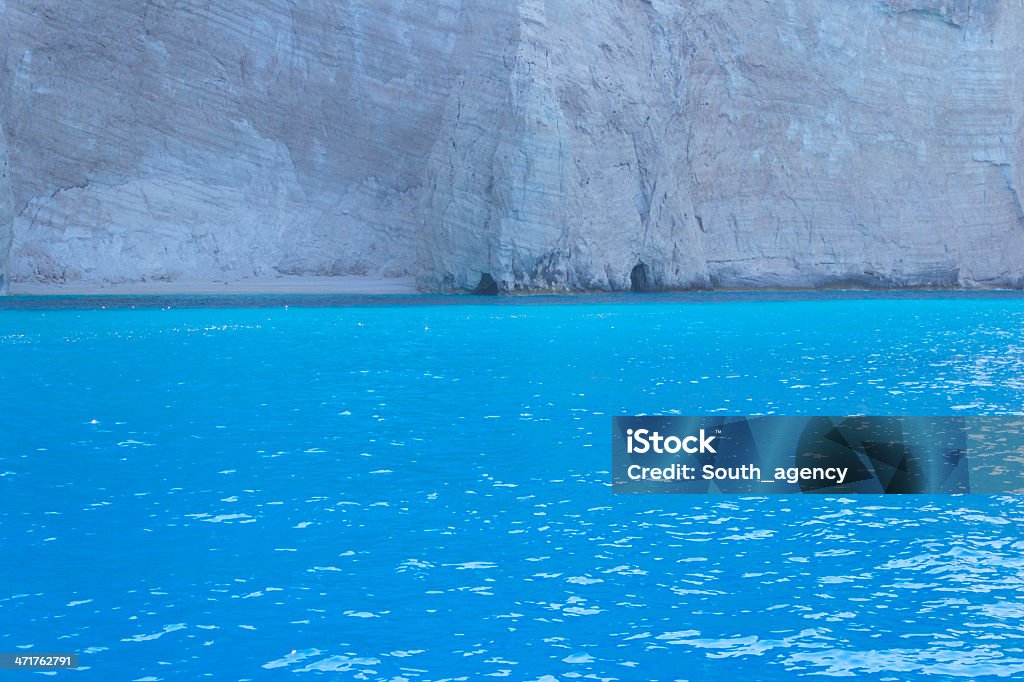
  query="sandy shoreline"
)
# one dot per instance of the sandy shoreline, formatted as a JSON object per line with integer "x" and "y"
{"x": 350, "y": 284}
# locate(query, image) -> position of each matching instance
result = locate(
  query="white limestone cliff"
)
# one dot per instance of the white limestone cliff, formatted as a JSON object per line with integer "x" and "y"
{"x": 6, "y": 214}
{"x": 550, "y": 144}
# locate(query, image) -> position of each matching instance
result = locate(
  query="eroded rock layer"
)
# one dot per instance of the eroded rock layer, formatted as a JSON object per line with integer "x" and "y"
{"x": 535, "y": 145}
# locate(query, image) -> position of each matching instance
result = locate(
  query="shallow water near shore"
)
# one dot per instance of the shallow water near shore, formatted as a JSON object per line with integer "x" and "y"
{"x": 419, "y": 488}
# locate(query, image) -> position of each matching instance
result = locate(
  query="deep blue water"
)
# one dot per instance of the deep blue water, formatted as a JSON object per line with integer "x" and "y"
{"x": 422, "y": 492}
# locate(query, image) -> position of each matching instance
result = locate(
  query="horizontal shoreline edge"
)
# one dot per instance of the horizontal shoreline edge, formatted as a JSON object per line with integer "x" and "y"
{"x": 278, "y": 299}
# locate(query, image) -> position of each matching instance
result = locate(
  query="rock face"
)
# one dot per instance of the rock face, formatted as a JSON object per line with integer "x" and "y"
{"x": 6, "y": 214}
{"x": 542, "y": 144}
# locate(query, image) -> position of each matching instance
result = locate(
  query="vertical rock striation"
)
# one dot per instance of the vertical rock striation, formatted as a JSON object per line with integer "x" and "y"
{"x": 6, "y": 214}
{"x": 532, "y": 145}
{"x": 583, "y": 174}
{"x": 784, "y": 144}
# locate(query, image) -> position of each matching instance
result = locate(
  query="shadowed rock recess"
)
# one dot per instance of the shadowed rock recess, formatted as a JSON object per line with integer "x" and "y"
{"x": 551, "y": 145}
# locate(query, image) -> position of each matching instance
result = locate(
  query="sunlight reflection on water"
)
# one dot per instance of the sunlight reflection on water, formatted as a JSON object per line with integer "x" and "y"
{"x": 423, "y": 492}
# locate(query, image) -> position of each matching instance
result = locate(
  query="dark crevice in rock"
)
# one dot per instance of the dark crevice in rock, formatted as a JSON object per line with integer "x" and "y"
{"x": 640, "y": 278}
{"x": 487, "y": 286}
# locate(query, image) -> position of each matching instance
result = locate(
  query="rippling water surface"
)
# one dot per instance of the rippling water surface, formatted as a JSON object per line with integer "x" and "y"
{"x": 422, "y": 492}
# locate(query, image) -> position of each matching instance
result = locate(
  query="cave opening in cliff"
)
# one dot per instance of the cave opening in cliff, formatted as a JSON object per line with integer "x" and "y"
{"x": 640, "y": 278}
{"x": 486, "y": 286}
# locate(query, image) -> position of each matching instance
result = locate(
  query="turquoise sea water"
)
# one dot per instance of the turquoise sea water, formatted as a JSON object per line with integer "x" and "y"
{"x": 419, "y": 489}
